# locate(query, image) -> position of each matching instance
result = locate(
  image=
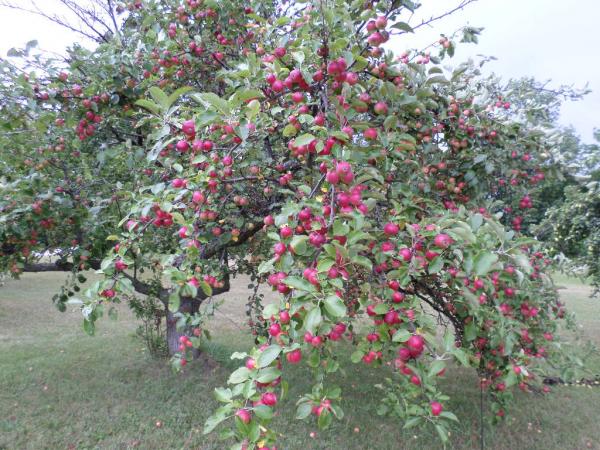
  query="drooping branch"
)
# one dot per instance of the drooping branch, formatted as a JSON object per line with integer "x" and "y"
{"x": 436, "y": 299}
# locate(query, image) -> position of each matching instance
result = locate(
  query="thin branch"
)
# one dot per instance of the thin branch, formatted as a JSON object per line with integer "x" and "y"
{"x": 55, "y": 19}
{"x": 460, "y": 6}
{"x": 111, "y": 13}
{"x": 317, "y": 186}
{"x": 82, "y": 13}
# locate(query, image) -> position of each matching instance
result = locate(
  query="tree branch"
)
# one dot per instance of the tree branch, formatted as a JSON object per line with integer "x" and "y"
{"x": 460, "y": 6}
{"x": 58, "y": 266}
{"x": 97, "y": 37}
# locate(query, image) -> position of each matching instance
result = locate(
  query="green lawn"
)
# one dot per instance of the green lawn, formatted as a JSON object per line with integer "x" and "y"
{"x": 61, "y": 389}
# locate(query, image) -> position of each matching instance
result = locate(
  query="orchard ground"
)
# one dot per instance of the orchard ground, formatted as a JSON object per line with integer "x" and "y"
{"x": 60, "y": 388}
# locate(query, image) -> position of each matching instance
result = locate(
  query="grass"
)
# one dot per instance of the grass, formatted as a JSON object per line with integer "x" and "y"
{"x": 60, "y": 389}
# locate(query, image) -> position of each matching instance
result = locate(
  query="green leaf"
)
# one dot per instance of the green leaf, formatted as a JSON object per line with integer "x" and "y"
{"x": 268, "y": 355}
{"x": 314, "y": 358}
{"x": 413, "y": 422}
{"x": 289, "y": 130}
{"x": 324, "y": 419}
{"x": 403, "y": 26}
{"x": 298, "y": 244}
{"x": 298, "y": 57}
{"x": 299, "y": 283}
{"x": 304, "y": 139}
{"x": 313, "y": 319}
{"x": 178, "y": 218}
{"x": 248, "y": 94}
{"x": 340, "y": 228}
{"x": 360, "y": 63}
{"x": 498, "y": 228}
{"x": 401, "y": 336}
{"x": 205, "y": 288}
{"x": 335, "y": 306}
{"x": 160, "y": 97}
{"x": 443, "y": 434}
{"x": 223, "y": 395}
{"x": 89, "y": 327}
{"x": 436, "y": 367}
{"x": 436, "y": 265}
{"x": 178, "y": 93}
{"x": 150, "y": 106}
{"x": 228, "y": 434}
{"x": 325, "y": 264}
{"x": 239, "y": 376}
{"x": 372, "y": 173}
{"x": 484, "y": 262}
{"x": 356, "y": 236}
{"x": 356, "y": 356}
{"x": 283, "y": 20}
{"x": 252, "y": 109}
{"x": 362, "y": 261}
{"x": 461, "y": 356}
{"x": 480, "y": 158}
{"x": 476, "y": 221}
{"x": 381, "y": 308}
{"x": 254, "y": 433}
{"x": 470, "y": 331}
{"x": 340, "y": 135}
{"x": 212, "y": 99}
{"x": 206, "y": 118}
{"x": 266, "y": 267}
{"x": 462, "y": 234}
{"x": 303, "y": 411}
{"x": 437, "y": 79}
{"x": 511, "y": 378}
{"x": 449, "y": 415}
{"x": 390, "y": 122}
{"x": 268, "y": 374}
{"x": 174, "y": 301}
{"x": 213, "y": 421}
{"x": 264, "y": 412}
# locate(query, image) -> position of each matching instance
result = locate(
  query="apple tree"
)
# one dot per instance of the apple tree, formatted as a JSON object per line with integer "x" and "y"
{"x": 371, "y": 189}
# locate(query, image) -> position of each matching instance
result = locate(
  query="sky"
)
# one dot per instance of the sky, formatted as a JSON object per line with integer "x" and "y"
{"x": 554, "y": 40}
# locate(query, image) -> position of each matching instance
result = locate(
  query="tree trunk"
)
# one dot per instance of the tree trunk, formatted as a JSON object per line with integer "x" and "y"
{"x": 187, "y": 305}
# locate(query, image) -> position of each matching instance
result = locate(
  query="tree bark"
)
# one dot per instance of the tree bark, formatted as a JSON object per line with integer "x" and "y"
{"x": 187, "y": 305}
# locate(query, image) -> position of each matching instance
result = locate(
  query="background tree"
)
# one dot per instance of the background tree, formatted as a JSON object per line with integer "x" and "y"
{"x": 571, "y": 224}
{"x": 572, "y": 228}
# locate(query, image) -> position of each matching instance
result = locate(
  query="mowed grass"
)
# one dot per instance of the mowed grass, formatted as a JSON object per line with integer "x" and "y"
{"x": 61, "y": 389}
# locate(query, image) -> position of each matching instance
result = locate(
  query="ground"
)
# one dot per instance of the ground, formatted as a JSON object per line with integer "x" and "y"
{"x": 61, "y": 389}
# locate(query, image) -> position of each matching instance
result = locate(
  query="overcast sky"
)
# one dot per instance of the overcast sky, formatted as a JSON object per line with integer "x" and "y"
{"x": 547, "y": 39}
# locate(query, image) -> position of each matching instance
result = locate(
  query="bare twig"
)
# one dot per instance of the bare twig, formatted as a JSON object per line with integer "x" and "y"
{"x": 432, "y": 19}
{"x": 90, "y": 19}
